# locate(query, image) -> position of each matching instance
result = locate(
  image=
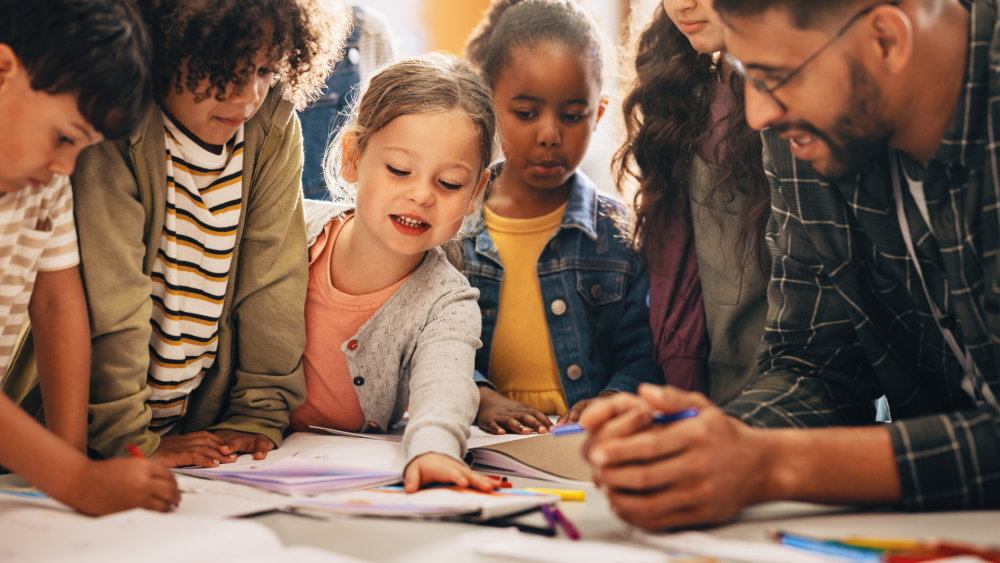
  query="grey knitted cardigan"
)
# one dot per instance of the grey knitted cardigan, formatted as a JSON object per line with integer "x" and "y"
{"x": 418, "y": 349}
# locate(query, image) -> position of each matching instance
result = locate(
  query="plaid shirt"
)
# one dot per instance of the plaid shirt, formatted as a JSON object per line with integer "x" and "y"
{"x": 848, "y": 317}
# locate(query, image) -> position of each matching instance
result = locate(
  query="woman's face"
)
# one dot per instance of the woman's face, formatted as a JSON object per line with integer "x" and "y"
{"x": 698, "y": 22}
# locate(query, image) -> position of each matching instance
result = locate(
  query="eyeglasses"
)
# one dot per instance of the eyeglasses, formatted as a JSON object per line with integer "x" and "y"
{"x": 763, "y": 88}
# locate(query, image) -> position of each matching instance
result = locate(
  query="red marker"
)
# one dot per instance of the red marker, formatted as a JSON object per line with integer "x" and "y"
{"x": 135, "y": 451}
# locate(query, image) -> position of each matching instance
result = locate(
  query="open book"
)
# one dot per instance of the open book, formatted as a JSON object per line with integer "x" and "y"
{"x": 534, "y": 456}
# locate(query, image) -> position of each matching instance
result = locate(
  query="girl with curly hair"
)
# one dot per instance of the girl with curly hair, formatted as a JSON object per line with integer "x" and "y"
{"x": 563, "y": 298}
{"x": 702, "y": 204}
{"x": 192, "y": 235}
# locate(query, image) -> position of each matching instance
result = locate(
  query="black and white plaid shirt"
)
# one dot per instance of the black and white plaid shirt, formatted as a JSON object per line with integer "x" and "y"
{"x": 849, "y": 320}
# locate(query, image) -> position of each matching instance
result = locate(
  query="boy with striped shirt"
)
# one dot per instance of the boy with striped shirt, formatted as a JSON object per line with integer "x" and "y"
{"x": 53, "y": 103}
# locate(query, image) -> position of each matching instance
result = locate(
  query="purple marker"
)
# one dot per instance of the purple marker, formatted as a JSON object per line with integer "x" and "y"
{"x": 567, "y": 429}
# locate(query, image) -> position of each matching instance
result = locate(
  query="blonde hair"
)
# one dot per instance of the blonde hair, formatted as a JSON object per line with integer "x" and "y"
{"x": 433, "y": 83}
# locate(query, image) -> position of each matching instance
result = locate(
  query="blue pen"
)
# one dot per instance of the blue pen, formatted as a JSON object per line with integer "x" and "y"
{"x": 574, "y": 428}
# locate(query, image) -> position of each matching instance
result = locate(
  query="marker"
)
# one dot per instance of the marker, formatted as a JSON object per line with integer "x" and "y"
{"x": 828, "y": 548}
{"x": 135, "y": 451}
{"x": 660, "y": 419}
{"x": 566, "y": 524}
{"x": 563, "y": 494}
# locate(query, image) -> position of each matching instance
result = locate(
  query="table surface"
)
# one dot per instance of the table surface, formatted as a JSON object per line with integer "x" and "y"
{"x": 397, "y": 541}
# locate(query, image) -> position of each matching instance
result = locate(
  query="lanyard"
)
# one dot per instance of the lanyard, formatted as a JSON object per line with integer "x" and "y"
{"x": 972, "y": 382}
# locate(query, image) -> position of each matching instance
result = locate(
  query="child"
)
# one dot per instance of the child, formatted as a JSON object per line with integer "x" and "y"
{"x": 192, "y": 236}
{"x": 71, "y": 73}
{"x": 702, "y": 205}
{"x": 563, "y": 298}
{"x": 391, "y": 326}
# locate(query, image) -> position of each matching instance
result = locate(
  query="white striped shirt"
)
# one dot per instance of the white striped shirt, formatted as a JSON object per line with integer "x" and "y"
{"x": 37, "y": 232}
{"x": 191, "y": 271}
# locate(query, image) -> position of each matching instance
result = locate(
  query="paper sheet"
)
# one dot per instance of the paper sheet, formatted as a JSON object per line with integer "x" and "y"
{"x": 430, "y": 503}
{"x": 26, "y": 536}
{"x": 705, "y": 545}
{"x": 311, "y": 463}
{"x": 525, "y": 547}
{"x": 478, "y": 438}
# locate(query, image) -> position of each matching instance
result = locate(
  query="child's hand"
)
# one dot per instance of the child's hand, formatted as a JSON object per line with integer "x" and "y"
{"x": 439, "y": 468}
{"x": 241, "y": 442}
{"x": 109, "y": 486}
{"x": 573, "y": 414}
{"x": 497, "y": 413}
{"x": 196, "y": 448}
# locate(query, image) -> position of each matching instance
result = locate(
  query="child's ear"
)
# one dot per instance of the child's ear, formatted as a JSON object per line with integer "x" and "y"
{"x": 8, "y": 64}
{"x": 601, "y": 107}
{"x": 479, "y": 191}
{"x": 349, "y": 155}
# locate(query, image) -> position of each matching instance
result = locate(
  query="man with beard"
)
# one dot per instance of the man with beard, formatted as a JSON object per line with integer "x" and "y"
{"x": 882, "y": 131}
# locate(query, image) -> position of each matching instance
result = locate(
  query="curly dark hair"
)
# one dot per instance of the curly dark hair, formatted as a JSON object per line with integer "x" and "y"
{"x": 666, "y": 122}
{"x": 219, "y": 40}
{"x": 507, "y": 24}
{"x": 96, "y": 49}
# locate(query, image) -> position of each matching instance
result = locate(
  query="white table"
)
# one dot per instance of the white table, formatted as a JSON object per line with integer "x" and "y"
{"x": 398, "y": 541}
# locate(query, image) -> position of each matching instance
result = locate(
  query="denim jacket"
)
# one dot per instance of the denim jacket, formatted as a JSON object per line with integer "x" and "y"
{"x": 594, "y": 288}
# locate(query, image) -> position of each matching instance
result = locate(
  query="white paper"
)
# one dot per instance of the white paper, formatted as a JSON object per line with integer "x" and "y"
{"x": 218, "y": 499}
{"x": 525, "y": 547}
{"x": 478, "y": 438}
{"x": 429, "y": 503}
{"x": 705, "y": 545}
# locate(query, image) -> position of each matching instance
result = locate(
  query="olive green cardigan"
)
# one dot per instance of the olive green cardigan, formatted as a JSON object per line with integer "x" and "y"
{"x": 120, "y": 196}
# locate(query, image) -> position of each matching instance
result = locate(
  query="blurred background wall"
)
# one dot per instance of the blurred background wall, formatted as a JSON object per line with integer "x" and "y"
{"x": 443, "y": 25}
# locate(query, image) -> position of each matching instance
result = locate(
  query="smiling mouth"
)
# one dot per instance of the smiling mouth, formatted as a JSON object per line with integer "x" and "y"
{"x": 801, "y": 141}
{"x": 411, "y": 223}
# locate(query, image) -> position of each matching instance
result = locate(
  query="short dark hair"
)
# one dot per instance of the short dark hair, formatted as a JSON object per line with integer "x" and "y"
{"x": 525, "y": 23}
{"x": 97, "y": 49}
{"x": 805, "y": 14}
{"x": 219, "y": 40}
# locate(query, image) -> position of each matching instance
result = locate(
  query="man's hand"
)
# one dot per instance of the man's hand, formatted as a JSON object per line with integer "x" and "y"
{"x": 439, "y": 468}
{"x": 497, "y": 414}
{"x": 573, "y": 414}
{"x": 695, "y": 471}
{"x": 103, "y": 487}
{"x": 242, "y": 442}
{"x": 198, "y": 448}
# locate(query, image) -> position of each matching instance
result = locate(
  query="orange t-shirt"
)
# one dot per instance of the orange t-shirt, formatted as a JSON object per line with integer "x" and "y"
{"x": 332, "y": 318}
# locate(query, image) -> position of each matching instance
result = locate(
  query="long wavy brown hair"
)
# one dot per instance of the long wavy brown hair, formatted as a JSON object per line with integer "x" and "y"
{"x": 666, "y": 124}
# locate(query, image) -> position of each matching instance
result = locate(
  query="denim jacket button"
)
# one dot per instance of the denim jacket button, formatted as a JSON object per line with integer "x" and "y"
{"x": 596, "y": 291}
{"x": 352, "y": 345}
{"x": 555, "y": 245}
{"x": 558, "y": 307}
{"x": 574, "y": 372}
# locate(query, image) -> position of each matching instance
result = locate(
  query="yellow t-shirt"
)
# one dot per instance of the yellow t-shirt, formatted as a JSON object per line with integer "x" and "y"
{"x": 522, "y": 362}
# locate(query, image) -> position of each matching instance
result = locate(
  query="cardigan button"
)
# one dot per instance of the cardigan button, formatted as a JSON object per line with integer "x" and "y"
{"x": 359, "y": 381}
{"x": 558, "y": 307}
{"x": 352, "y": 345}
{"x": 574, "y": 372}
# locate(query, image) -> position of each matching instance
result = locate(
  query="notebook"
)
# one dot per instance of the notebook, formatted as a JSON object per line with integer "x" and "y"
{"x": 310, "y": 464}
{"x": 534, "y": 456}
{"x": 430, "y": 503}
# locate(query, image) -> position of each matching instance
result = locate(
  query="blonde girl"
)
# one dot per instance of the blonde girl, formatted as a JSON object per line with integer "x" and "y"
{"x": 391, "y": 326}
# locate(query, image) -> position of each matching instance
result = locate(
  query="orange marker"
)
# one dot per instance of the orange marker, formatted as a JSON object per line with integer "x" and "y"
{"x": 135, "y": 451}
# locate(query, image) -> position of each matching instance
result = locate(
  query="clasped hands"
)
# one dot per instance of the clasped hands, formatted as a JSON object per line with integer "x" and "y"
{"x": 209, "y": 449}
{"x": 699, "y": 470}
